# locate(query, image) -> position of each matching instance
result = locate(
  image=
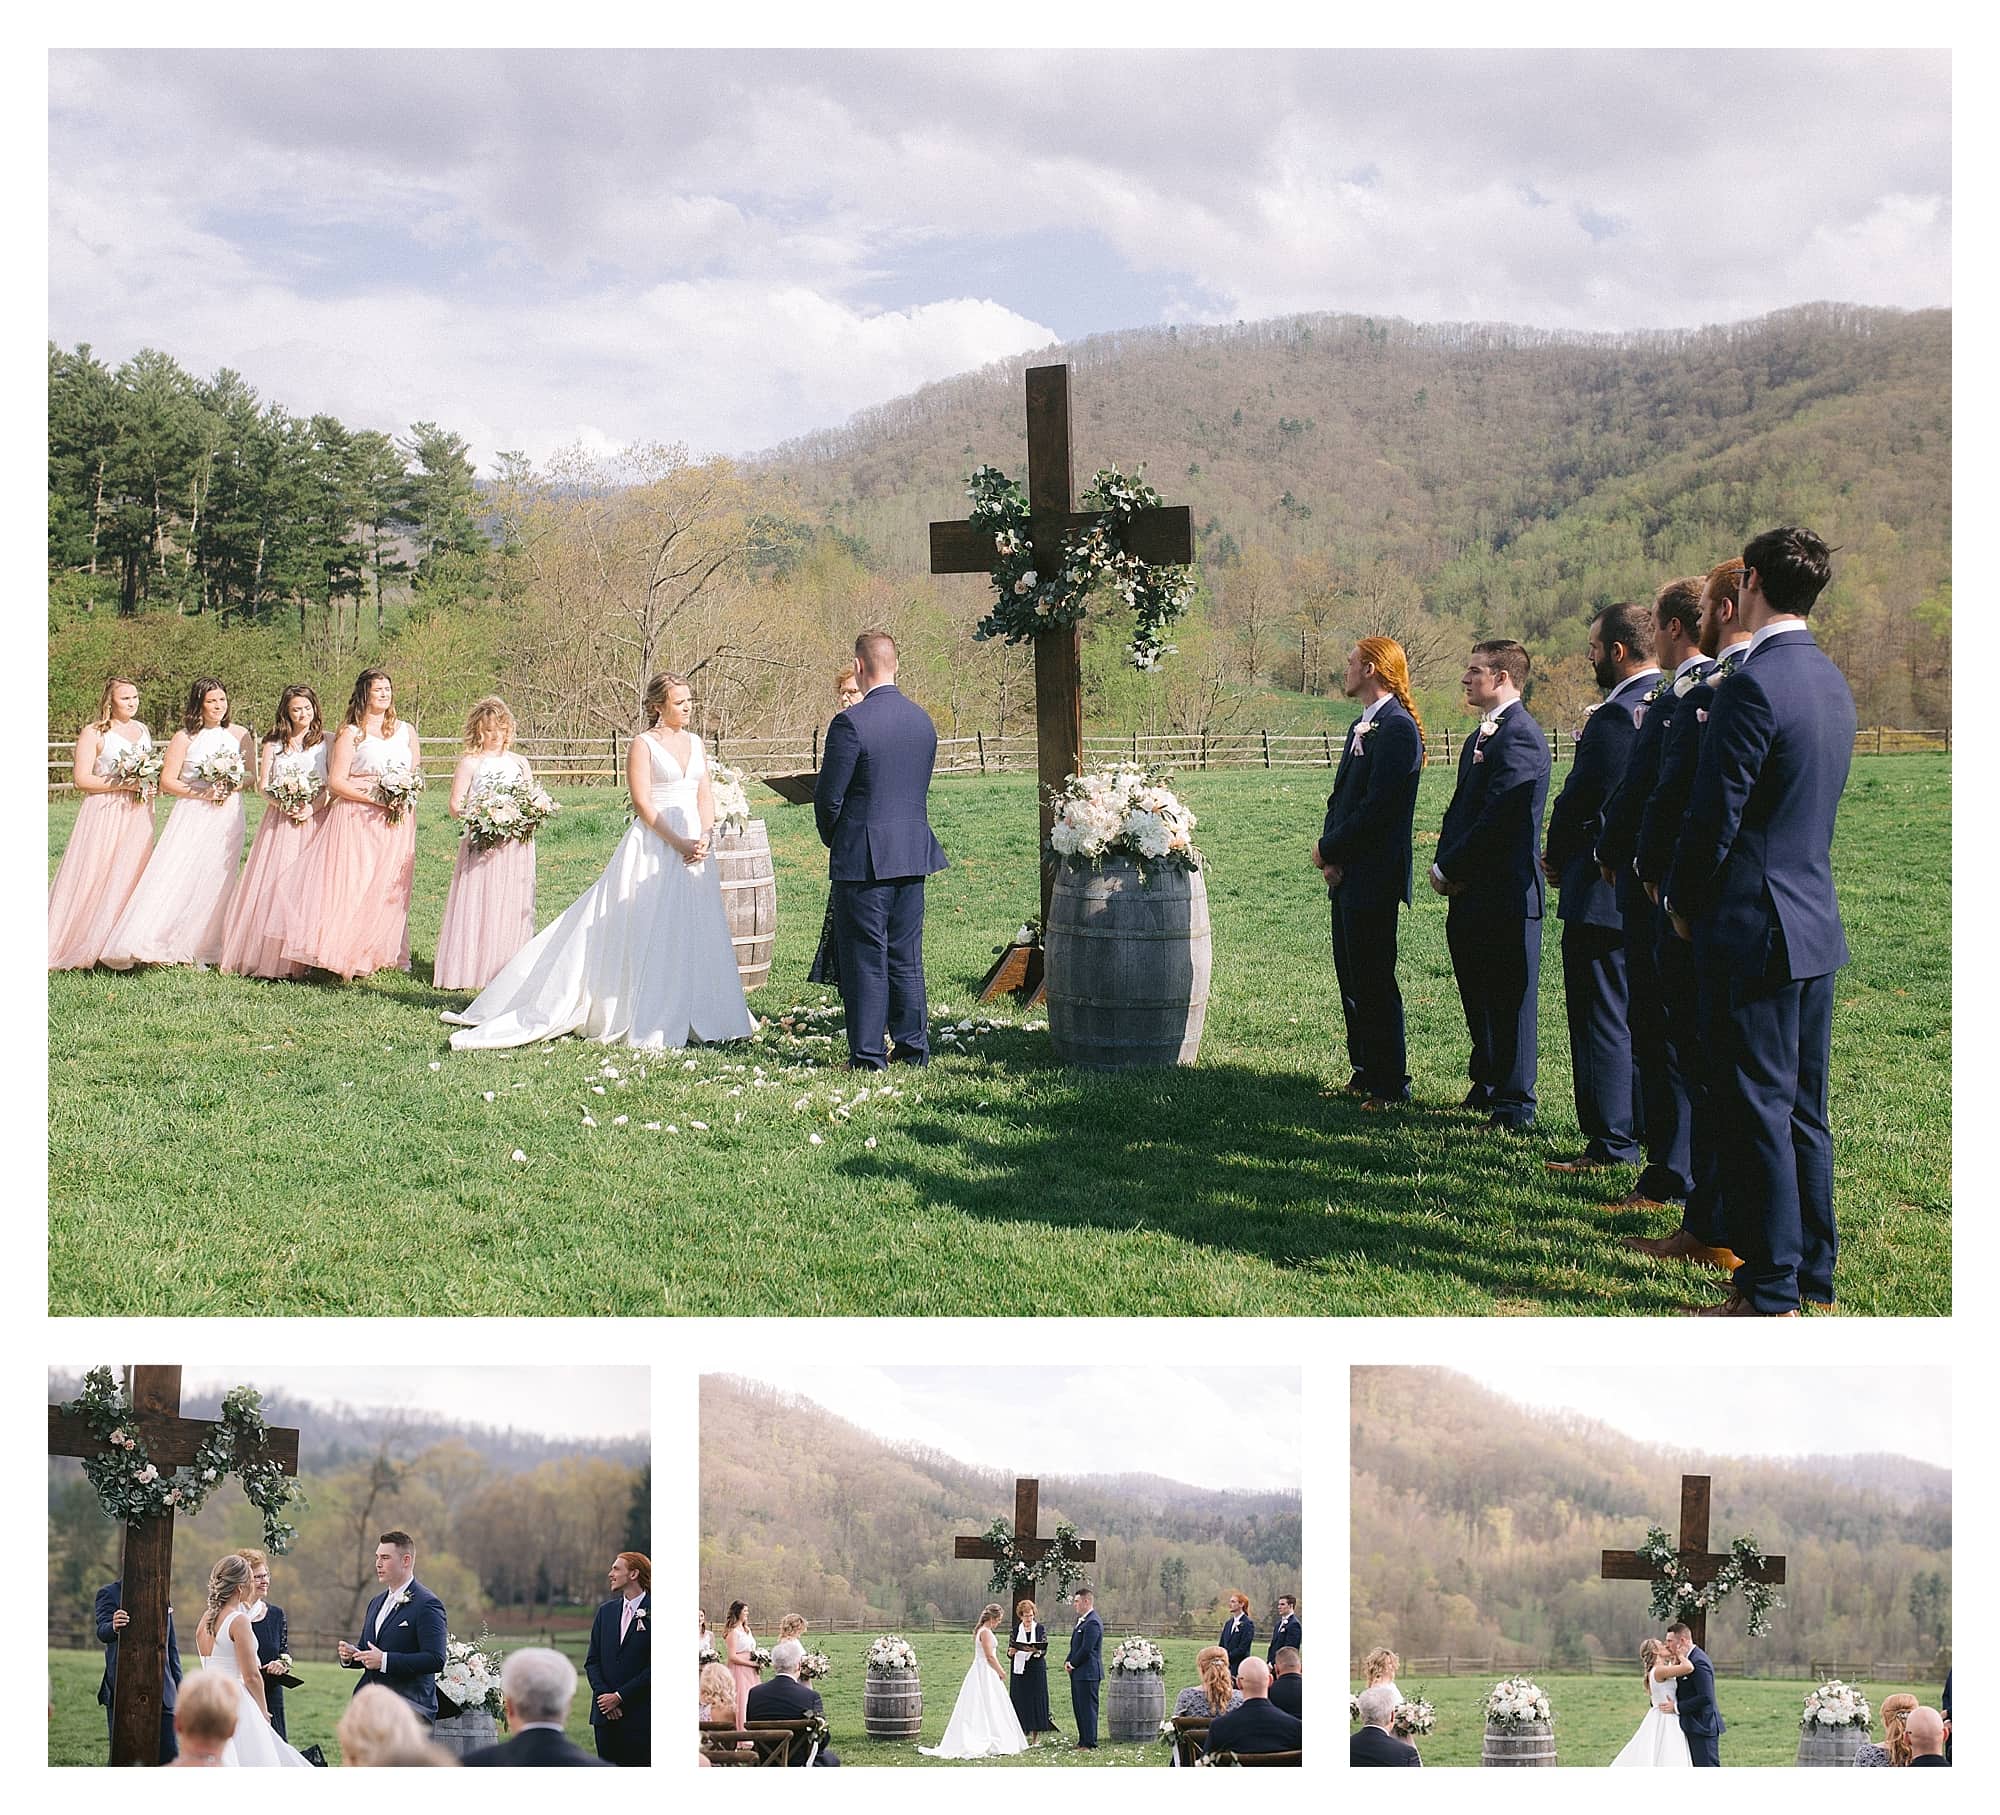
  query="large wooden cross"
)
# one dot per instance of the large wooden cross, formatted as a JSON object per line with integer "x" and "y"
{"x": 147, "y": 1567}
{"x": 1164, "y": 537}
{"x": 1029, "y": 1545}
{"x": 1698, "y": 1563}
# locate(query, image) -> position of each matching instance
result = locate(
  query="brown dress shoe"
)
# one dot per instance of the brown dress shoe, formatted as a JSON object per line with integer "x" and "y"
{"x": 1735, "y": 1305}
{"x": 1374, "y": 1103}
{"x": 1635, "y": 1200}
{"x": 1582, "y": 1163}
{"x": 1682, "y": 1246}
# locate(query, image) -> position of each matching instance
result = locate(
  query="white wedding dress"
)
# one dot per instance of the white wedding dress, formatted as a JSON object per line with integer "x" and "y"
{"x": 1659, "y": 1740}
{"x": 253, "y": 1742}
{"x": 983, "y": 1724}
{"x": 642, "y": 957}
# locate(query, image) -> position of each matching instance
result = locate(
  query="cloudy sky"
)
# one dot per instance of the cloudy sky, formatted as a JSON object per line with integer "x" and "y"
{"x": 1073, "y": 1421}
{"x": 728, "y": 248}
{"x": 1826, "y": 1411}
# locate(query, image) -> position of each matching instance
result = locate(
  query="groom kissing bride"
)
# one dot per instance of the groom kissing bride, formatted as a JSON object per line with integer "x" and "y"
{"x": 1683, "y": 1726}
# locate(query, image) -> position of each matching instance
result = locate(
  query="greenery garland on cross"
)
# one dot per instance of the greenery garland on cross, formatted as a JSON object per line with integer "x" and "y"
{"x": 1675, "y": 1595}
{"x": 1015, "y": 1574}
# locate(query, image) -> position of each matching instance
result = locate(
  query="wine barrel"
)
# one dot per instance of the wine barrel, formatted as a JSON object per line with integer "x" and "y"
{"x": 750, "y": 898}
{"x": 462, "y": 1733}
{"x": 1829, "y": 1745}
{"x": 1533, "y": 1744}
{"x": 1127, "y": 966}
{"x": 1134, "y": 1705}
{"x": 892, "y": 1705}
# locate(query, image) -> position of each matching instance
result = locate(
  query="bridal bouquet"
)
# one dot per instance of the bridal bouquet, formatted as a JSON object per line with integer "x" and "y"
{"x": 1138, "y": 1657}
{"x": 813, "y": 1666}
{"x": 891, "y": 1652}
{"x": 709, "y": 1654}
{"x": 732, "y": 804}
{"x": 137, "y": 768}
{"x": 397, "y": 789}
{"x": 1122, "y": 813}
{"x": 1516, "y": 1703}
{"x": 760, "y": 1655}
{"x": 1834, "y": 1704}
{"x": 1414, "y": 1718}
{"x": 221, "y": 769}
{"x": 470, "y": 1678}
{"x": 505, "y": 812}
{"x": 293, "y": 790}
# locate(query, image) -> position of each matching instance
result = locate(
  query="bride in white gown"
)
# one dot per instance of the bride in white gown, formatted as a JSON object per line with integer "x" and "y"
{"x": 1659, "y": 1740}
{"x": 983, "y": 1724}
{"x": 232, "y": 1652}
{"x": 643, "y": 956}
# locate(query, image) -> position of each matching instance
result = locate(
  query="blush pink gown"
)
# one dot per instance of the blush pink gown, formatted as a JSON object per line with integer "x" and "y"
{"x": 741, "y": 1644}
{"x": 253, "y": 941}
{"x": 345, "y": 906}
{"x": 101, "y": 865}
{"x": 175, "y": 915}
{"x": 489, "y": 911}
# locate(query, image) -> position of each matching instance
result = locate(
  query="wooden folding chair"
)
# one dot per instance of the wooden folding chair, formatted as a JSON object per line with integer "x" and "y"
{"x": 1271, "y": 1758}
{"x": 1190, "y": 1736}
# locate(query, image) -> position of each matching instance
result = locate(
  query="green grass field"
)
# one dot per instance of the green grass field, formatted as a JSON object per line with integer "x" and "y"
{"x": 1596, "y": 1715}
{"x": 223, "y": 1146}
{"x": 76, "y": 1730}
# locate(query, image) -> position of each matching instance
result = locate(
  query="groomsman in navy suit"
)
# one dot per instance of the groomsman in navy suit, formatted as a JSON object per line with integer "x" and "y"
{"x": 1239, "y": 1632}
{"x": 1596, "y": 981}
{"x": 1288, "y": 1634}
{"x": 112, "y": 1619}
{"x": 1364, "y": 854}
{"x": 1488, "y": 869}
{"x": 1752, "y": 885}
{"x": 272, "y": 1632}
{"x": 869, "y": 804}
{"x": 1085, "y": 1666}
{"x": 619, "y": 1664}
{"x": 403, "y": 1634}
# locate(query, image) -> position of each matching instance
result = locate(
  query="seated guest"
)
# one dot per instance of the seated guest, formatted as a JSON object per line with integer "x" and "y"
{"x": 376, "y": 1723}
{"x": 718, "y": 1692}
{"x": 1287, "y": 1632}
{"x": 1895, "y": 1746}
{"x": 784, "y": 1697}
{"x": 1373, "y": 1743}
{"x": 1215, "y": 1693}
{"x": 1287, "y": 1683}
{"x": 538, "y": 1687}
{"x": 1239, "y": 1632}
{"x": 1925, "y": 1728}
{"x": 1256, "y": 1726}
{"x": 204, "y": 1719}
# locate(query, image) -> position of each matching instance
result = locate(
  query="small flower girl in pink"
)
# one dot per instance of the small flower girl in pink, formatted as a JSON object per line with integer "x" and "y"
{"x": 291, "y": 775}
{"x": 489, "y": 912}
{"x": 113, "y": 835}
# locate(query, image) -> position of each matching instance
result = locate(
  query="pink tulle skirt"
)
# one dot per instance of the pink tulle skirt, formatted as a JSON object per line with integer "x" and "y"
{"x": 253, "y": 935}
{"x": 489, "y": 913}
{"x": 175, "y": 915}
{"x": 101, "y": 866}
{"x": 346, "y": 902}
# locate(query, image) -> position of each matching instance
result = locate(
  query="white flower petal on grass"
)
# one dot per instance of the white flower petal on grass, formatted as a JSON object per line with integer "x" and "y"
{"x": 436, "y": 1065}
{"x": 520, "y": 1157}
{"x": 486, "y": 1096}
{"x": 619, "y": 1121}
{"x": 653, "y": 1127}
{"x": 869, "y": 1142}
{"x": 818, "y": 1140}
{"x": 688, "y": 1064}
{"x": 671, "y": 1129}
{"x": 597, "y": 1090}
{"x": 590, "y": 1121}
{"x": 703, "y": 1126}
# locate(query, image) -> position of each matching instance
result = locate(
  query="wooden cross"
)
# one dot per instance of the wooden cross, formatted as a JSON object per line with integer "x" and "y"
{"x": 1699, "y": 1564}
{"x": 1163, "y": 536}
{"x": 1028, "y": 1546}
{"x": 148, "y": 1564}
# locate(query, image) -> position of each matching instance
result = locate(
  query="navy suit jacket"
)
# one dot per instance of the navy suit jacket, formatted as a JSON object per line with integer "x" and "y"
{"x": 1288, "y": 1694}
{"x": 1754, "y": 866}
{"x": 1373, "y": 1746}
{"x": 1665, "y": 810}
{"x": 108, "y": 1600}
{"x": 626, "y": 1668}
{"x": 1237, "y": 1639}
{"x": 1290, "y": 1631}
{"x": 784, "y": 1698}
{"x": 1577, "y": 816}
{"x": 1618, "y": 824}
{"x": 1373, "y": 803}
{"x": 1491, "y": 840}
{"x": 413, "y": 1642}
{"x": 1255, "y": 1727}
{"x": 1086, "y": 1647}
{"x": 273, "y": 1636}
{"x": 1694, "y": 1699}
{"x": 873, "y": 780}
{"x": 537, "y": 1746}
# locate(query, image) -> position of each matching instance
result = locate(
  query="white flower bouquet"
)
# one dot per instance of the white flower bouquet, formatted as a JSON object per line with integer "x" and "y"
{"x": 709, "y": 1654}
{"x": 1122, "y": 813}
{"x": 1353, "y": 1708}
{"x": 470, "y": 1678}
{"x": 293, "y": 789}
{"x": 1413, "y": 1718}
{"x": 1137, "y": 1657}
{"x": 732, "y": 804}
{"x": 138, "y": 768}
{"x": 397, "y": 788}
{"x": 760, "y": 1655}
{"x": 1516, "y": 1703}
{"x": 891, "y": 1652}
{"x": 284, "y": 1662}
{"x": 507, "y": 812}
{"x": 221, "y": 770}
{"x": 813, "y": 1666}
{"x": 1835, "y": 1704}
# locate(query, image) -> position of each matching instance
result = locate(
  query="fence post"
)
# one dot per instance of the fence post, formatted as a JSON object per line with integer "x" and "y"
{"x": 1447, "y": 747}
{"x": 979, "y": 737}
{"x": 815, "y": 743}
{"x": 1878, "y": 740}
{"x": 1267, "y": 749}
{"x": 1326, "y": 743}
{"x": 614, "y": 756}
{"x": 1135, "y": 749}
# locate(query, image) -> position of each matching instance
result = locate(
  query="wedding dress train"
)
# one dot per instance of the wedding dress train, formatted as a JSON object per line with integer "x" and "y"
{"x": 1659, "y": 1740}
{"x": 983, "y": 1723}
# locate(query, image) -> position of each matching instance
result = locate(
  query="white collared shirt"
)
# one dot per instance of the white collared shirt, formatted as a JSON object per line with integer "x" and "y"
{"x": 1644, "y": 674}
{"x": 1781, "y": 628}
{"x": 1691, "y": 662}
{"x": 388, "y": 1603}
{"x": 628, "y": 1613}
{"x": 1374, "y": 706}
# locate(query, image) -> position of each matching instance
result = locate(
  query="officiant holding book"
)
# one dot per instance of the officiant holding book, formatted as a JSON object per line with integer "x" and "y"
{"x": 1028, "y": 1673}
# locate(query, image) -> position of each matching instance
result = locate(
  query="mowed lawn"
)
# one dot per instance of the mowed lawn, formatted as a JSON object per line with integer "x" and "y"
{"x": 220, "y": 1146}
{"x": 1596, "y": 1715}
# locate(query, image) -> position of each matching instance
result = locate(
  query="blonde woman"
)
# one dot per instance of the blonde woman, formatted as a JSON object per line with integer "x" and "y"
{"x": 227, "y": 1646}
{"x": 112, "y": 837}
{"x": 489, "y": 910}
{"x": 718, "y": 1695}
{"x": 1895, "y": 1748}
{"x": 1380, "y": 1666}
{"x": 792, "y": 1626}
{"x": 1659, "y": 1740}
{"x": 293, "y": 753}
{"x": 825, "y": 968}
{"x": 983, "y": 1723}
{"x": 378, "y": 1724}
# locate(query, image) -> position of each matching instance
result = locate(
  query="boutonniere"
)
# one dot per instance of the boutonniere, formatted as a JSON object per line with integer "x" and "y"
{"x": 1686, "y": 685}
{"x": 1721, "y": 672}
{"x": 1659, "y": 688}
{"x": 401, "y": 1600}
{"x": 1362, "y": 726}
{"x": 1701, "y": 715}
{"x": 639, "y": 1618}
{"x": 1489, "y": 724}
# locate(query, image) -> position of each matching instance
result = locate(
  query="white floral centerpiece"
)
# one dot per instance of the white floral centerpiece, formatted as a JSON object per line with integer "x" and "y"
{"x": 732, "y": 803}
{"x": 1122, "y": 812}
{"x": 1834, "y": 1704}
{"x": 508, "y": 811}
{"x": 221, "y": 770}
{"x": 1516, "y": 1703}
{"x": 470, "y": 1679}
{"x": 1137, "y": 1657}
{"x": 891, "y": 1652}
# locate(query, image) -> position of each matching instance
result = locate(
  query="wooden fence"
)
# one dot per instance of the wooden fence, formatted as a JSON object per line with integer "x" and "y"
{"x": 323, "y": 1647}
{"x": 600, "y": 761}
{"x": 1414, "y": 1670}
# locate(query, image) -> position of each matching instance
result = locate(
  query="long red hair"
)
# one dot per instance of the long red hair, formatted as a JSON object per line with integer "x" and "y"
{"x": 1392, "y": 667}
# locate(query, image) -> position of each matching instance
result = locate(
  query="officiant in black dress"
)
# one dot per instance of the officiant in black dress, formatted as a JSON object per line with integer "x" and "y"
{"x": 1028, "y": 1683}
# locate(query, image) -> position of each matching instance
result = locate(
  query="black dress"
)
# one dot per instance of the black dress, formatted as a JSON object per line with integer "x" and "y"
{"x": 1029, "y": 1690}
{"x": 826, "y": 961}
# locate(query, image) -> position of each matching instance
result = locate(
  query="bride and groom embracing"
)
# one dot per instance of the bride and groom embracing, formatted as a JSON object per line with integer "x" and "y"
{"x": 1683, "y": 1726}
{"x": 985, "y": 1722}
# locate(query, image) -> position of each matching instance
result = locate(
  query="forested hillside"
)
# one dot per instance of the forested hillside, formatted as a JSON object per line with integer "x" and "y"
{"x": 1477, "y": 1528}
{"x": 803, "y": 1512}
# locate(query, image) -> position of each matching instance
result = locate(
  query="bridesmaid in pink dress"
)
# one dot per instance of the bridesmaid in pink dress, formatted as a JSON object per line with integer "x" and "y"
{"x": 175, "y": 915}
{"x": 489, "y": 911}
{"x": 737, "y": 1643}
{"x": 252, "y": 938}
{"x": 346, "y": 903}
{"x": 111, "y": 840}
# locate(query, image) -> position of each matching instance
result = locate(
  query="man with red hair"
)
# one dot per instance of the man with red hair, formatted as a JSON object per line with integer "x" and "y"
{"x": 619, "y": 1664}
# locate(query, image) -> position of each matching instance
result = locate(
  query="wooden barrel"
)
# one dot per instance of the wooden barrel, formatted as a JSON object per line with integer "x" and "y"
{"x": 892, "y": 1705}
{"x": 1127, "y": 966}
{"x": 1829, "y": 1745}
{"x": 463, "y": 1733}
{"x": 750, "y": 898}
{"x": 1134, "y": 1706}
{"x": 1533, "y": 1744}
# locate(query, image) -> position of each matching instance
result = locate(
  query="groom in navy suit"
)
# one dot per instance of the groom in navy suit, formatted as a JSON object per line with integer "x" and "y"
{"x": 1488, "y": 868}
{"x": 403, "y": 1635}
{"x": 1085, "y": 1665}
{"x": 869, "y": 803}
{"x": 619, "y": 1664}
{"x": 1752, "y": 886}
{"x": 112, "y": 1619}
{"x": 1694, "y": 1699}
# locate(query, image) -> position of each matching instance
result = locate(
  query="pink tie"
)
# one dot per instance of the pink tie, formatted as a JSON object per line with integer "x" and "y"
{"x": 625, "y": 1622}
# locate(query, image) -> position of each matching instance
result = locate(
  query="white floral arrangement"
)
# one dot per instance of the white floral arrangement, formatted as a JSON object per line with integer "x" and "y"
{"x": 813, "y": 1666}
{"x": 732, "y": 803}
{"x": 1835, "y": 1704}
{"x": 284, "y": 1662}
{"x": 1122, "y": 812}
{"x": 221, "y": 770}
{"x": 136, "y": 768}
{"x": 760, "y": 1656}
{"x": 397, "y": 788}
{"x": 891, "y": 1652}
{"x": 1354, "y": 1709}
{"x": 470, "y": 1678}
{"x": 508, "y": 811}
{"x": 1516, "y": 1703}
{"x": 709, "y": 1654}
{"x": 1138, "y": 1657}
{"x": 1413, "y": 1719}
{"x": 294, "y": 789}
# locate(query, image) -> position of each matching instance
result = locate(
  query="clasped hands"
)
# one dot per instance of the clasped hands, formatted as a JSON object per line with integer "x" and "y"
{"x": 369, "y": 1657}
{"x": 1331, "y": 871}
{"x": 610, "y": 1706}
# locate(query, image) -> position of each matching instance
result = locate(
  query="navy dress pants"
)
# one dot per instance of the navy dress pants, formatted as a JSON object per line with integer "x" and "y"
{"x": 1497, "y": 960}
{"x": 880, "y": 926}
{"x": 1596, "y": 997}
{"x": 1364, "y": 959}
